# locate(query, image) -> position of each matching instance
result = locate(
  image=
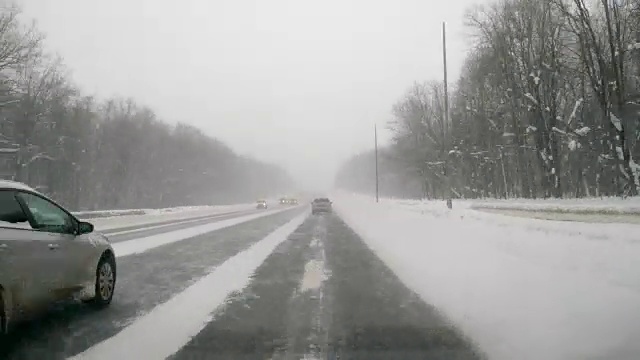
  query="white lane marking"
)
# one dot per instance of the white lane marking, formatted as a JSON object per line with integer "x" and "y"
{"x": 169, "y": 326}
{"x": 214, "y": 216}
{"x": 140, "y": 245}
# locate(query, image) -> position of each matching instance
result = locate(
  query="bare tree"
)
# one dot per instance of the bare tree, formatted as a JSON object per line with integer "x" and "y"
{"x": 112, "y": 154}
{"x": 604, "y": 35}
{"x": 547, "y": 104}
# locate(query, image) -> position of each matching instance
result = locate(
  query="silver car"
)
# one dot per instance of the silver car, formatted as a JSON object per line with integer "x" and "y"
{"x": 47, "y": 254}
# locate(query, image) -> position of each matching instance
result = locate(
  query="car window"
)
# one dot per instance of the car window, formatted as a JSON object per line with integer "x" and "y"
{"x": 11, "y": 213}
{"x": 46, "y": 215}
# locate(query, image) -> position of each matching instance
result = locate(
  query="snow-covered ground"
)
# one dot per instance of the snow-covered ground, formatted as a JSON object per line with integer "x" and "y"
{"x": 521, "y": 288}
{"x": 590, "y": 210}
{"x": 606, "y": 205}
{"x": 609, "y": 205}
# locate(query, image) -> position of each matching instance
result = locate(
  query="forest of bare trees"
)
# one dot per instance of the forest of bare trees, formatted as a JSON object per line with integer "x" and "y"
{"x": 109, "y": 154}
{"x": 547, "y": 105}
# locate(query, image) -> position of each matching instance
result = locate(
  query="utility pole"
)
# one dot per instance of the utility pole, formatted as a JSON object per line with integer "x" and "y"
{"x": 444, "y": 60}
{"x": 446, "y": 118}
{"x": 375, "y": 139}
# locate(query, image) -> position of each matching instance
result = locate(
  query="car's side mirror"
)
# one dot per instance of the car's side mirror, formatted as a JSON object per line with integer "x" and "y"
{"x": 85, "y": 227}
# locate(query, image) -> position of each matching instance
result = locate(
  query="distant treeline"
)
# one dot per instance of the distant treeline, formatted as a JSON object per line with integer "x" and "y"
{"x": 547, "y": 105}
{"x": 358, "y": 174}
{"x": 111, "y": 154}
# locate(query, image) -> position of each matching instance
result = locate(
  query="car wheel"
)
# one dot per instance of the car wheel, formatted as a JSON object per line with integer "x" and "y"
{"x": 105, "y": 281}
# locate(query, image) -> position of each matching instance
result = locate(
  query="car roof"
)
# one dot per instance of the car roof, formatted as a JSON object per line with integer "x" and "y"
{"x": 9, "y": 184}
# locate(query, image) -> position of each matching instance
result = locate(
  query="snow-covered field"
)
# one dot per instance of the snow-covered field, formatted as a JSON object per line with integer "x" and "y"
{"x": 609, "y": 205}
{"x": 606, "y": 205}
{"x": 521, "y": 288}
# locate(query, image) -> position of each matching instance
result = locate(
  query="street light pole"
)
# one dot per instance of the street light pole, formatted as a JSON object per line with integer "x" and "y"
{"x": 444, "y": 60}
{"x": 375, "y": 139}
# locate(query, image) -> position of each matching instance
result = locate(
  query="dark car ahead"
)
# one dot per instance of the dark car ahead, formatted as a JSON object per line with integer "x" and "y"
{"x": 321, "y": 205}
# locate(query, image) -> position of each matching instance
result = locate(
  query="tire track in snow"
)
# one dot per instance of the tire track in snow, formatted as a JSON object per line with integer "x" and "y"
{"x": 308, "y": 314}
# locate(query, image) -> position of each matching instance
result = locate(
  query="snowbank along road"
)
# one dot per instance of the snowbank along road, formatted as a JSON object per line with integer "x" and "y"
{"x": 523, "y": 289}
{"x": 279, "y": 284}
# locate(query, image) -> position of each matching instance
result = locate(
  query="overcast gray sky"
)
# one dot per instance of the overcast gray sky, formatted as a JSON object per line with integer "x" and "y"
{"x": 295, "y": 82}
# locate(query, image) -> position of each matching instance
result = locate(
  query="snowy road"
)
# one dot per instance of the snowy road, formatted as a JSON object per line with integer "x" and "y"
{"x": 136, "y": 231}
{"x": 322, "y": 294}
{"x": 316, "y": 291}
{"x": 281, "y": 284}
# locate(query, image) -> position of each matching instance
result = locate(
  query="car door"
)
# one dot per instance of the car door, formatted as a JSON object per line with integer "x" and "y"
{"x": 55, "y": 230}
{"x": 20, "y": 254}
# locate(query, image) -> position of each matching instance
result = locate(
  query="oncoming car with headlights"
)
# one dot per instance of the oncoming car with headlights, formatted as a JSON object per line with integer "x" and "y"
{"x": 47, "y": 255}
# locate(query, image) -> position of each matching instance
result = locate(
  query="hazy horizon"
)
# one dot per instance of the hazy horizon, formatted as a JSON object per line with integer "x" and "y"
{"x": 297, "y": 83}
